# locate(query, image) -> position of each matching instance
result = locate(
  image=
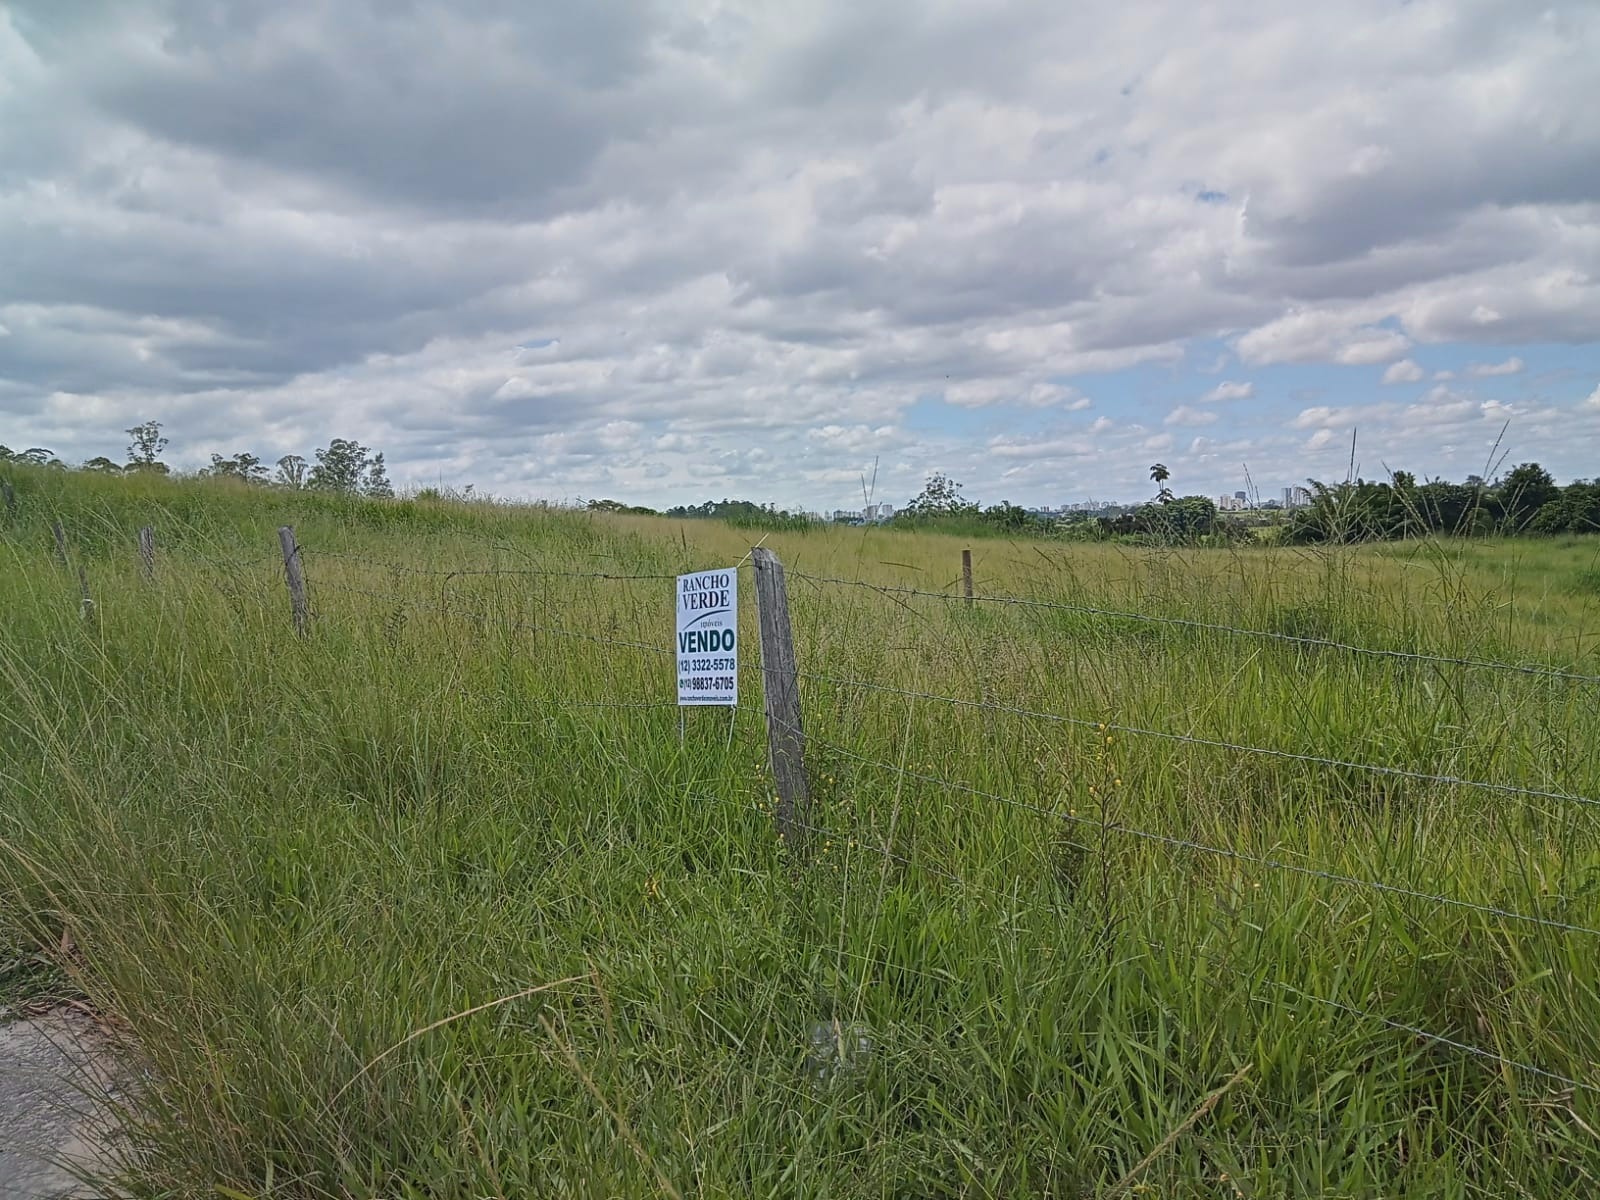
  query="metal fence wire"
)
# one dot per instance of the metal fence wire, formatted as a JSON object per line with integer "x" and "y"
{"x": 792, "y": 730}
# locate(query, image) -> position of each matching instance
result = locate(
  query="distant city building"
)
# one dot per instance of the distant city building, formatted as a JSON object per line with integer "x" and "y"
{"x": 1233, "y": 503}
{"x": 1244, "y": 496}
{"x": 844, "y": 514}
{"x": 877, "y": 512}
{"x": 1296, "y": 497}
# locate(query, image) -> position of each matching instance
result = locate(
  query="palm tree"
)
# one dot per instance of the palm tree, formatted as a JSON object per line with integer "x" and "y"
{"x": 1159, "y": 476}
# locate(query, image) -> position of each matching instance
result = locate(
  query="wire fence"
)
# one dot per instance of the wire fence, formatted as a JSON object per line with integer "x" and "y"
{"x": 1225, "y": 965}
{"x": 1071, "y": 817}
{"x": 1212, "y": 743}
{"x": 805, "y": 732}
{"x": 1483, "y": 664}
{"x": 448, "y": 573}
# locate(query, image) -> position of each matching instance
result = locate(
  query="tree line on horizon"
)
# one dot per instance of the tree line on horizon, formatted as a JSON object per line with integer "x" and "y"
{"x": 343, "y": 465}
{"x": 1525, "y": 500}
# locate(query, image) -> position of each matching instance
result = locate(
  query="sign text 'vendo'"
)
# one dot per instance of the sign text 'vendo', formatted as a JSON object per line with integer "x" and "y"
{"x": 708, "y": 637}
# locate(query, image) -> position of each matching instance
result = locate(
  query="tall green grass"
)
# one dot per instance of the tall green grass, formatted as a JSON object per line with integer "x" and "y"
{"x": 319, "y": 881}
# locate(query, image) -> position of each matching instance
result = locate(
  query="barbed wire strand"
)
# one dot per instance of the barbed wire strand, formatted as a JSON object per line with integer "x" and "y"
{"x": 448, "y": 610}
{"x": 1439, "y": 1038}
{"x": 613, "y": 704}
{"x": 237, "y": 564}
{"x": 1166, "y": 840}
{"x": 455, "y": 572}
{"x": 1509, "y": 789}
{"x": 1057, "y": 718}
{"x": 1213, "y": 960}
{"x": 1178, "y": 843}
{"x": 1486, "y": 664}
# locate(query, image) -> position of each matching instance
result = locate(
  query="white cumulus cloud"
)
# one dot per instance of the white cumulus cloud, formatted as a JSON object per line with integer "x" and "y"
{"x": 1511, "y": 366}
{"x": 1184, "y": 414}
{"x": 1229, "y": 390}
{"x": 555, "y": 249}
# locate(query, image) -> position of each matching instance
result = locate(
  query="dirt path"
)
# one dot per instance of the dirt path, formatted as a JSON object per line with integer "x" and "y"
{"x": 50, "y": 1067}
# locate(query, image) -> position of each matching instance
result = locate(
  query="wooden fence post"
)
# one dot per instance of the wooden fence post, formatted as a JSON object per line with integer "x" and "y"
{"x": 780, "y": 692}
{"x": 66, "y": 564}
{"x": 966, "y": 576}
{"x": 83, "y": 589}
{"x": 295, "y": 574}
{"x": 147, "y": 551}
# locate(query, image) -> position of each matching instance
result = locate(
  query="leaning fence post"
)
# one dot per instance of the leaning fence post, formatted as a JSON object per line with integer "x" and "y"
{"x": 83, "y": 589}
{"x": 780, "y": 692}
{"x": 66, "y": 563}
{"x": 147, "y": 551}
{"x": 295, "y": 574}
{"x": 966, "y": 576}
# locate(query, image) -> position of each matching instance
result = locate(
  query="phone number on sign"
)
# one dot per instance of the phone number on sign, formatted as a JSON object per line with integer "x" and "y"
{"x": 701, "y": 665}
{"x": 704, "y": 683}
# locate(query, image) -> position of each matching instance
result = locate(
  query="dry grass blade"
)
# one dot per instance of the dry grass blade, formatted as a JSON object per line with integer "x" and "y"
{"x": 443, "y": 1021}
{"x": 1178, "y": 1131}
{"x": 624, "y": 1130}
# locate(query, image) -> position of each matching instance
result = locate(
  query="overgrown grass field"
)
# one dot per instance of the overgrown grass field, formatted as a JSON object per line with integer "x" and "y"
{"x": 442, "y": 900}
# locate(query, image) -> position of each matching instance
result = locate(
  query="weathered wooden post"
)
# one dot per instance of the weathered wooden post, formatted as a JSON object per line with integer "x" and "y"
{"x": 83, "y": 590}
{"x": 295, "y": 575}
{"x": 780, "y": 692}
{"x": 966, "y": 576}
{"x": 60, "y": 534}
{"x": 147, "y": 551}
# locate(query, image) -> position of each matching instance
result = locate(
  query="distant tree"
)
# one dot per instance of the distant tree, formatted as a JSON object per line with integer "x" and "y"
{"x": 144, "y": 451}
{"x": 291, "y": 472}
{"x": 376, "y": 484}
{"x": 1404, "y": 504}
{"x": 1179, "y": 519}
{"x": 444, "y": 492}
{"x": 1159, "y": 476}
{"x": 1575, "y": 510}
{"x": 341, "y": 467}
{"x": 1523, "y": 492}
{"x": 742, "y": 514}
{"x": 243, "y": 466}
{"x": 1455, "y": 508}
{"x": 36, "y": 456}
{"x": 617, "y": 506}
{"x": 103, "y": 465}
{"x": 1009, "y": 516}
{"x": 940, "y": 497}
{"x": 345, "y": 465}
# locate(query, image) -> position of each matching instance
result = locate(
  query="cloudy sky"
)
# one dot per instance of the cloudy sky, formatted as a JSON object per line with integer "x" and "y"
{"x": 702, "y": 248}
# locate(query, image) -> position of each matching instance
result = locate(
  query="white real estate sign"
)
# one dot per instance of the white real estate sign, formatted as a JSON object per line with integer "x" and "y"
{"x": 708, "y": 637}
